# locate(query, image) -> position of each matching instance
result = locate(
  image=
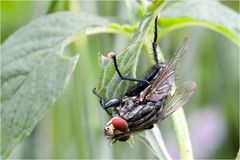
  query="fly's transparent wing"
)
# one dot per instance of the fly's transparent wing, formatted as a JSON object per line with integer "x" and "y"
{"x": 177, "y": 100}
{"x": 171, "y": 67}
{"x": 161, "y": 86}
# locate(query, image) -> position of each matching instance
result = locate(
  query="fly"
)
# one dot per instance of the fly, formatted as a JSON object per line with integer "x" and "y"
{"x": 150, "y": 100}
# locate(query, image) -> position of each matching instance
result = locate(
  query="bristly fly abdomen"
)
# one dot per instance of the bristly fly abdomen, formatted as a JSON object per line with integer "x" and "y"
{"x": 150, "y": 100}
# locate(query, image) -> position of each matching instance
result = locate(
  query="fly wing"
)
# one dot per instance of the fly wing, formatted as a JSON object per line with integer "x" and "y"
{"x": 177, "y": 100}
{"x": 162, "y": 84}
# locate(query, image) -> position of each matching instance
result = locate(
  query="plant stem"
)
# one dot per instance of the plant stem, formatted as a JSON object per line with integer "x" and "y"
{"x": 181, "y": 130}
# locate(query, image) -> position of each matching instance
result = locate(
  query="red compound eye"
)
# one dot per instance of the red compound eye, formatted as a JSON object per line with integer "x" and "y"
{"x": 120, "y": 124}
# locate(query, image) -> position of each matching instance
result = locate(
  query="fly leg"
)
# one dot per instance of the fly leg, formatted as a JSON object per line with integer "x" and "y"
{"x": 156, "y": 67}
{"x": 112, "y": 56}
{"x": 139, "y": 87}
{"x": 154, "y": 43}
{"x": 158, "y": 64}
{"x": 107, "y": 104}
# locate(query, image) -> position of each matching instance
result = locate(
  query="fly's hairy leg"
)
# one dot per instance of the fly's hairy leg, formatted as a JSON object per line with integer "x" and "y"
{"x": 154, "y": 43}
{"x": 107, "y": 104}
{"x": 135, "y": 90}
{"x": 113, "y": 57}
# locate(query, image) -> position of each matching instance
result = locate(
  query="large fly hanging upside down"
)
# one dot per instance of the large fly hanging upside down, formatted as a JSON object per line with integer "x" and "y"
{"x": 150, "y": 100}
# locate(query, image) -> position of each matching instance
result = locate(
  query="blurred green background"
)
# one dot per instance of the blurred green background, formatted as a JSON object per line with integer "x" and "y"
{"x": 73, "y": 127}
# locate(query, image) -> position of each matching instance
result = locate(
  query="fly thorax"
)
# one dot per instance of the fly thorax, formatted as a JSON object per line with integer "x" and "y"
{"x": 129, "y": 104}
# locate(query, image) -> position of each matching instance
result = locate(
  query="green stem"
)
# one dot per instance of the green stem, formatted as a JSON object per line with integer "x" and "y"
{"x": 182, "y": 134}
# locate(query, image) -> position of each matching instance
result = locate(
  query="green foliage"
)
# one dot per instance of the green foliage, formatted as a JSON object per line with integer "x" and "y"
{"x": 154, "y": 140}
{"x": 212, "y": 15}
{"x": 109, "y": 84}
{"x": 34, "y": 70}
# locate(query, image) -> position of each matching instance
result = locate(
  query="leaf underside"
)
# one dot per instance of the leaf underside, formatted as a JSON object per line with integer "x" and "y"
{"x": 34, "y": 71}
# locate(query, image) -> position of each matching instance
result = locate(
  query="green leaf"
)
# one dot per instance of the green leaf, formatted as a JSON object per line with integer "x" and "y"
{"x": 154, "y": 140}
{"x": 136, "y": 10}
{"x": 34, "y": 71}
{"x": 212, "y": 15}
{"x": 109, "y": 84}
